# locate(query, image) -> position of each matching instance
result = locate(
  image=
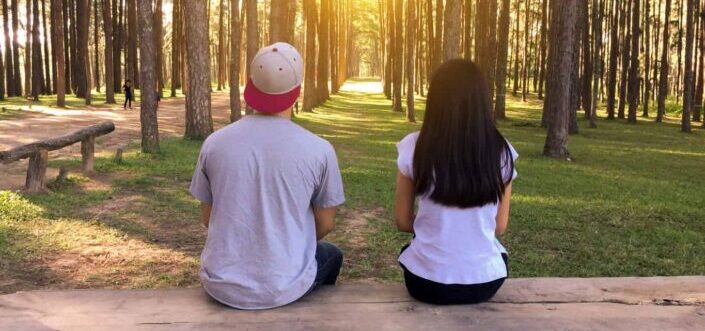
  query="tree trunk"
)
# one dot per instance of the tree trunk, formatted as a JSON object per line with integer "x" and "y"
{"x": 614, "y": 58}
{"x": 47, "y": 65}
{"x": 82, "y": 79}
{"x": 485, "y": 42}
{"x": 9, "y": 71}
{"x": 28, "y": 49}
{"x": 663, "y": 75}
{"x": 199, "y": 123}
{"x": 625, "y": 59}
{"x": 118, "y": 43}
{"x": 96, "y": 59}
{"x": 281, "y": 22}
{"x": 253, "y": 39}
{"x": 323, "y": 69}
{"x": 451, "y": 29}
{"x": 502, "y": 52}
{"x": 131, "y": 61}
{"x": 698, "y": 103}
{"x": 148, "y": 77}
{"x": 221, "y": 47}
{"x": 647, "y": 59}
{"x": 410, "y": 40}
{"x": 688, "y": 86}
{"x": 58, "y": 24}
{"x": 597, "y": 10}
{"x": 234, "y": 81}
{"x": 388, "y": 71}
{"x": 311, "y": 18}
{"x": 398, "y": 57}
{"x": 515, "y": 49}
{"x": 438, "y": 41}
{"x": 634, "y": 66}
{"x": 108, "y": 29}
{"x": 467, "y": 29}
{"x": 559, "y": 80}
{"x": 176, "y": 45}
{"x": 159, "y": 44}
{"x": 585, "y": 85}
{"x": 525, "y": 53}
{"x": 37, "y": 63}
{"x": 544, "y": 47}
{"x": 17, "y": 84}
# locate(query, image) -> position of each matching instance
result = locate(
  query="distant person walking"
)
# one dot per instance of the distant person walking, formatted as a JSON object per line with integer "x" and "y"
{"x": 127, "y": 88}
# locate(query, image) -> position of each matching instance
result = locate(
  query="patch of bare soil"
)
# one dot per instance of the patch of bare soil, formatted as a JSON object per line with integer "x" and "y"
{"x": 50, "y": 122}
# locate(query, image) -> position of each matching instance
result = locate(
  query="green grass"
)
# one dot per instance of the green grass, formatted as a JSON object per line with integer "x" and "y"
{"x": 630, "y": 204}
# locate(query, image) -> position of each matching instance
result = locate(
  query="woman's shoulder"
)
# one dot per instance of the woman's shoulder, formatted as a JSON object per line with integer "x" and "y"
{"x": 409, "y": 140}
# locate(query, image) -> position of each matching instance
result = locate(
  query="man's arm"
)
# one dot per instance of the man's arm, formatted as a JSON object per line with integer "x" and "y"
{"x": 404, "y": 204}
{"x": 503, "y": 211}
{"x": 206, "y": 213}
{"x": 325, "y": 221}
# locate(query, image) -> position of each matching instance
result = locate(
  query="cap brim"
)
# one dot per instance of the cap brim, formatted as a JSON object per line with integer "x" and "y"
{"x": 269, "y": 103}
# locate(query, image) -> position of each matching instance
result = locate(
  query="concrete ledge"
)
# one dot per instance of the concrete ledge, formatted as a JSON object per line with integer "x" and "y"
{"x": 660, "y": 303}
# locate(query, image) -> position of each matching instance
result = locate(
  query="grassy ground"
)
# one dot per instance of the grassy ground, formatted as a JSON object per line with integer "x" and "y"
{"x": 631, "y": 203}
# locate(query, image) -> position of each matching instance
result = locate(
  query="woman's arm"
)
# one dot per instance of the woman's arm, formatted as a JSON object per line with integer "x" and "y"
{"x": 404, "y": 204}
{"x": 503, "y": 211}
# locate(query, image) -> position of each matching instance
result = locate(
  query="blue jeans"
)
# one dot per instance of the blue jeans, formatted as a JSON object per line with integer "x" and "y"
{"x": 329, "y": 259}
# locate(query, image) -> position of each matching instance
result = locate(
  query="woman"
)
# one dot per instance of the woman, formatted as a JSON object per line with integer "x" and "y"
{"x": 128, "y": 94}
{"x": 461, "y": 169}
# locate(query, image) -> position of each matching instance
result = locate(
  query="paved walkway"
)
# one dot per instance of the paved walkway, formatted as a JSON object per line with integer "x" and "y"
{"x": 661, "y": 303}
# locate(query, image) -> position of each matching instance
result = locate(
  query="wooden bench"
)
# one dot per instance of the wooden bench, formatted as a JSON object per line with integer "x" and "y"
{"x": 658, "y": 303}
{"x": 38, "y": 153}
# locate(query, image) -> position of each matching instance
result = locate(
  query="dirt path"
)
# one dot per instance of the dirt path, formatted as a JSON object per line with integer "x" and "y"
{"x": 44, "y": 123}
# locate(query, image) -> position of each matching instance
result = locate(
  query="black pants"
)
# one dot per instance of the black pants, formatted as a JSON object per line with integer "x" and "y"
{"x": 128, "y": 100}
{"x": 428, "y": 291}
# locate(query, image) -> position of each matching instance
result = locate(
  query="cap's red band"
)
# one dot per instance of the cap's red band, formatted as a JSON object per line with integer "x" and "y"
{"x": 269, "y": 103}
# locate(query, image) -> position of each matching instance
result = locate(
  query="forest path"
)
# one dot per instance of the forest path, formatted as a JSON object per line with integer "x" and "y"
{"x": 46, "y": 122}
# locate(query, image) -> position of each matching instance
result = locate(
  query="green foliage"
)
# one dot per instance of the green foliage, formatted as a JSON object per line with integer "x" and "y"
{"x": 14, "y": 207}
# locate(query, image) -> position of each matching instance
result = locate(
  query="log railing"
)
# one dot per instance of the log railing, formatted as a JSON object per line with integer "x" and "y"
{"x": 37, "y": 152}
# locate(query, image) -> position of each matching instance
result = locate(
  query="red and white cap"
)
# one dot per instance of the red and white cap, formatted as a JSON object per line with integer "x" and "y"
{"x": 275, "y": 79}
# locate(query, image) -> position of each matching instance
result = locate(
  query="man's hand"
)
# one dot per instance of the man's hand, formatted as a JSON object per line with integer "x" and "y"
{"x": 325, "y": 221}
{"x": 206, "y": 213}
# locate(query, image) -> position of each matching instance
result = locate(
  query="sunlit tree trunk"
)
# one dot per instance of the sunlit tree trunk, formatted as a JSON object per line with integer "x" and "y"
{"x": 234, "y": 81}
{"x": 108, "y": 30}
{"x": 525, "y": 53}
{"x": 397, "y": 70}
{"x": 253, "y": 38}
{"x": 561, "y": 61}
{"x": 614, "y": 59}
{"x": 281, "y": 21}
{"x": 28, "y": 49}
{"x": 544, "y": 47}
{"x": 451, "y": 29}
{"x": 159, "y": 44}
{"x": 58, "y": 23}
{"x": 46, "y": 57}
{"x": 37, "y": 62}
{"x": 502, "y": 53}
{"x": 17, "y": 84}
{"x": 82, "y": 63}
{"x": 323, "y": 69}
{"x": 131, "y": 61}
{"x": 118, "y": 33}
{"x": 176, "y": 45}
{"x": 96, "y": 59}
{"x": 663, "y": 75}
{"x": 647, "y": 59}
{"x": 688, "y": 88}
{"x": 388, "y": 68}
{"x": 410, "y": 40}
{"x": 148, "y": 75}
{"x": 311, "y": 18}
{"x": 626, "y": 44}
{"x": 633, "y": 95}
{"x": 9, "y": 71}
{"x": 199, "y": 123}
{"x": 597, "y": 10}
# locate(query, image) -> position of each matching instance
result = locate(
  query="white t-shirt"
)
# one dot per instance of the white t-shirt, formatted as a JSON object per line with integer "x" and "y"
{"x": 452, "y": 245}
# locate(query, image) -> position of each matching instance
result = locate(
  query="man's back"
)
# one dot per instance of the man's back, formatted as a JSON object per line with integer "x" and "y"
{"x": 262, "y": 175}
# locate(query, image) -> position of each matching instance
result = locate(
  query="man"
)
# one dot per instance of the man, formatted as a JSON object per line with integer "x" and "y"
{"x": 269, "y": 191}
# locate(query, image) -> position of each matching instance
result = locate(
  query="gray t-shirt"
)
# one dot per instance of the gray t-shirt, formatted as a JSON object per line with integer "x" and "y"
{"x": 263, "y": 175}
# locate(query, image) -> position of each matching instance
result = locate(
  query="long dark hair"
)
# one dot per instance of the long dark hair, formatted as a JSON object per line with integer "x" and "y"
{"x": 460, "y": 153}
